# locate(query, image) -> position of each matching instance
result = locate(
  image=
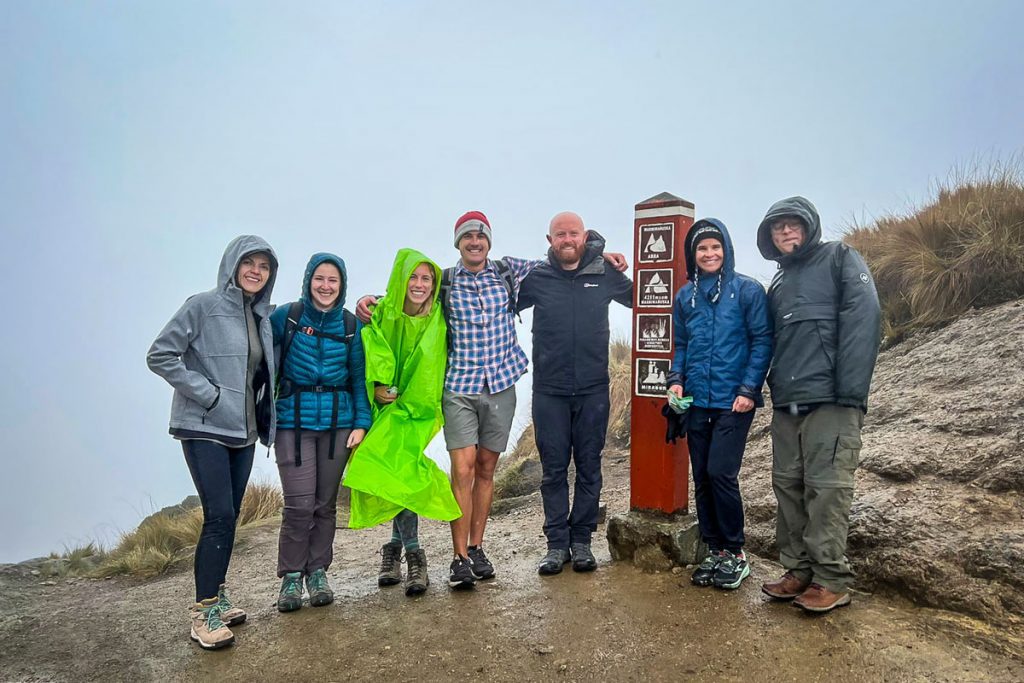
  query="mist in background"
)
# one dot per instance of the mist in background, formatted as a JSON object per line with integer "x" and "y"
{"x": 136, "y": 139}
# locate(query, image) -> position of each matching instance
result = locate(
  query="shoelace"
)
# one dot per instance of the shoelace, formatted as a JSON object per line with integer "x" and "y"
{"x": 318, "y": 581}
{"x": 292, "y": 586}
{"x": 213, "y": 620}
{"x": 225, "y": 601}
{"x": 389, "y": 557}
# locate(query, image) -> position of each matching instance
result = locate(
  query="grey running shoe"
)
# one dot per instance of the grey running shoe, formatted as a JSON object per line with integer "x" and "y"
{"x": 553, "y": 561}
{"x": 583, "y": 559}
{"x": 390, "y": 564}
{"x": 482, "y": 567}
{"x": 416, "y": 579}
{"x": 461, "y": 573}
{"x": 705, "y": 571}
{"x": 320, "y": 592}
{"x": 731, "y": 570}
{"x": 229, "y": 614}
{"x": 290, "y": 598}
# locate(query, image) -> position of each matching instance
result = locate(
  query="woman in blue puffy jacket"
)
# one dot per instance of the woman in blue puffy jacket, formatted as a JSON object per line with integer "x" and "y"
{"x": 723, "y": 347}
{"x": 323, "y": 413}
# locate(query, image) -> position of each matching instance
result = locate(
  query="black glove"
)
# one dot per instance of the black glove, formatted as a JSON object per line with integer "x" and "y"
{"x": 675, "y": 424}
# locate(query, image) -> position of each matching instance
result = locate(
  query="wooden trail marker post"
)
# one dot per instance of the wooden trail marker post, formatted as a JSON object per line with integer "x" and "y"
{"x": 659, "y": 472}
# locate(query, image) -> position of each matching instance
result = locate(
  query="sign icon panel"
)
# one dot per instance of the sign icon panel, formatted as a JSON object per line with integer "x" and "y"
{"x": 657, "y": 243}
{"x": 654, "y": 288}
{"x": 651, "y": 377}
{"x": 653, "y": 332}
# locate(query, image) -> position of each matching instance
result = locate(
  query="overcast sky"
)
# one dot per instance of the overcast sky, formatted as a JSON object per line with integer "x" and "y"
{"x": 138, "y": 138}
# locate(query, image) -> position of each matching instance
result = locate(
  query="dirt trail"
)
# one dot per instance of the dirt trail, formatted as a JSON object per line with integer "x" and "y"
{"x": 615, "y": 624}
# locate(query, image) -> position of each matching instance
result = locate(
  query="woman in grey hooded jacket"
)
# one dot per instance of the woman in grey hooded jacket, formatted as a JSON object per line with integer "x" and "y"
{"x": 217, "y": 353}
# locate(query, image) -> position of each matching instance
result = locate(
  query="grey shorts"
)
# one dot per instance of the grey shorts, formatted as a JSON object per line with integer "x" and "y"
{"x": 483, "y": 419}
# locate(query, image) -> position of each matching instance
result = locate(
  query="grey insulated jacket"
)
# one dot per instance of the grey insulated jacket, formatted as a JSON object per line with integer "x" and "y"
{"x": 827, "y": 318}
{"x": 203, "y": 352}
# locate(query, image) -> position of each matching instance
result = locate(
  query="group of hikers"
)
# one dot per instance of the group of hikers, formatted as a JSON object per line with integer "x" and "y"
{"x": 355, "y": 398}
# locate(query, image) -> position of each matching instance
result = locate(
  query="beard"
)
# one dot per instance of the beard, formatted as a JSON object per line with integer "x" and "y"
{"x": 569, "y": 254}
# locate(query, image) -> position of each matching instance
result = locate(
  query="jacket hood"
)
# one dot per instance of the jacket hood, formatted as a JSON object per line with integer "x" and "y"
{"x": 406, "y": 261}
{"x": 793, "y": 206}
{"x": 593, "y": 248}
{"x": 237, "y": 249}
{"x": 728, "y": 263}
{"x": 315, "y": 261}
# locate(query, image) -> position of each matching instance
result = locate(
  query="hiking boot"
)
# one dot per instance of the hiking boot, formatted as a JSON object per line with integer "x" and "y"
{"x": 482, "y": 567}
{"x": 553, "y": 561}
{"x": 786, "y": 587}
{"x": 229, "y": 614}
{"x": 583, "y": 559}
{"x": 416, "y": 579}
{"x": 461, "y": 573}
{"x": 390, "y": 564}
{"x": 208, "y": 628}
{"x": 731, "y": 571}
{"x": 705, "y": 571}
{"x": 320, "y": 593}
{"x": 817, "y": 598}
{"x": 290, "y": 598}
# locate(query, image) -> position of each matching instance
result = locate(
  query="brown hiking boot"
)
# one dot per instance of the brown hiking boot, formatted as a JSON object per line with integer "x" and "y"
{"x": 229, "y": 614}
{"x": 390, "y": 564}
{"x": 817, "y": 598}
{"x": 416, "y": 581}
{"x": 208, "y": 628}
{"x": 786, "y": 587}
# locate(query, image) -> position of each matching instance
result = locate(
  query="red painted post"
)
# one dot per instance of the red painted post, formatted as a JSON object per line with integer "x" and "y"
{"x": 658, "y": 472}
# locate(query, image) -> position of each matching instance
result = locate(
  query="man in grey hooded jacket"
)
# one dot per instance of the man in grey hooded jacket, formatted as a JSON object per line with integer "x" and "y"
{"x": 827, "y": 333}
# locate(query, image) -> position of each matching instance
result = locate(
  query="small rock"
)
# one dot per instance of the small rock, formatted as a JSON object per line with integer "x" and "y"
{"x": 677, "y": 570}
{"x": 34, "y": 572}
{"x": 47, "y": 583}
{"x": 543, "y": 649}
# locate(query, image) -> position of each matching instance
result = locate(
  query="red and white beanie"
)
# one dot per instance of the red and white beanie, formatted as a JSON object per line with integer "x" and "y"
{"x": 472, "y": 221}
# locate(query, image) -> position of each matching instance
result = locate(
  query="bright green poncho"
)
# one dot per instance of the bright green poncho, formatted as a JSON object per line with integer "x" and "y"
{"x": 389, "y": 472}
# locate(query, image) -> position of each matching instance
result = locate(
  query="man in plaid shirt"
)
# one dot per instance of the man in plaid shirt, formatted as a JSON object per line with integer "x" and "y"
{"x": 479, "y": 401}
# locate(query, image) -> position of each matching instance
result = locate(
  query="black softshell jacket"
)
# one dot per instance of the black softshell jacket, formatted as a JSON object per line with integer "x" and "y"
{"x": 827, "y": 317}
{"x": 570, "y": 320}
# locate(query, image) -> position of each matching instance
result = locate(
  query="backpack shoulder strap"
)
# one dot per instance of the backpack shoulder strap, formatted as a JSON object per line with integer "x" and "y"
{"x": 350, "y": 323}
{"x": 446, "y": 291}
{"x": 508, "y": 279}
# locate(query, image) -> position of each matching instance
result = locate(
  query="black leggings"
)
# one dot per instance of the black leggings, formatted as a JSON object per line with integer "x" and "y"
{"x": 220, "y": 475}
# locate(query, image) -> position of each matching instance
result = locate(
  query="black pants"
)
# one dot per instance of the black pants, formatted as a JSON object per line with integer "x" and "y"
{"x": 717, "y": 439}
{"x": 570, "y": 427}
{"x": 220, "y": 475}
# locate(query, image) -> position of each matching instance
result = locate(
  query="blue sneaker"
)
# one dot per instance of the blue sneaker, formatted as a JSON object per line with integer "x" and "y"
{"x": 290, "y": 597}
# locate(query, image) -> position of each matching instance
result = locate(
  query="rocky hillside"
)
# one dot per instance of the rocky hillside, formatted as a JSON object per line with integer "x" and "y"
{"x": 938, "y": 515}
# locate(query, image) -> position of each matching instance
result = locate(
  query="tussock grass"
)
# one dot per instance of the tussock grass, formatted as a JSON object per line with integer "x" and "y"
{"x": 162, "y": 539}
{"x": 963, "y": 249}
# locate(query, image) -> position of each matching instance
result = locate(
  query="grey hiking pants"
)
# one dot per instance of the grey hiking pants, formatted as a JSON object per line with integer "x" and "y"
{"x": 814, "y": 458}
{"x": 310, "y": 498}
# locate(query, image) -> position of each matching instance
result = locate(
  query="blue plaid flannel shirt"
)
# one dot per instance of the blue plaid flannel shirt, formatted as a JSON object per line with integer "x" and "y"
{"x": 484, "y": 349}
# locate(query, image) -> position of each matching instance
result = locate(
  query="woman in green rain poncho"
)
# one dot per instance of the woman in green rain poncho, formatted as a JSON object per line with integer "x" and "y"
{"x": 406, "y": 351}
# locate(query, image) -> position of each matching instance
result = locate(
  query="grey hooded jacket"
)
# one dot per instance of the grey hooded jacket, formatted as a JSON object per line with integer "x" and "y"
{"x": 203, "y": 352}
{"x": 827, "y": 317}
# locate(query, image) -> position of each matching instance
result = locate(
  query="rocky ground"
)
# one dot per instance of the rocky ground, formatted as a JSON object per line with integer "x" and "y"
{"x": 616, "y": 624}
{"x": 939, "y": 513}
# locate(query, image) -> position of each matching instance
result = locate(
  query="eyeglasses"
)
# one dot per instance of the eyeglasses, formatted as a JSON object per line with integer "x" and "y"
{"x": 782, "y": 226}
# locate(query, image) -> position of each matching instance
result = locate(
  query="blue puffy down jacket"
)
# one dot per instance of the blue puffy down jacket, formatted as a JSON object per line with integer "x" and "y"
{"x": 314, "y": 360}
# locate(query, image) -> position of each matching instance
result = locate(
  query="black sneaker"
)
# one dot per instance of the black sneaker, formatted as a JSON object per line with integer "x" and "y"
{"x": 705, "y": 571}
{"x": 583, "y": 559}
{"x": 461, "y": 573}
{"x": 731, "y": 570}
{"x": 482, "y": 567}
{"x": 553, "y": 561}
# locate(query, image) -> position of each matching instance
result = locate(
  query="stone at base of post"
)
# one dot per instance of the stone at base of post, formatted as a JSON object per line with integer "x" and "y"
{"x": 655, "y": 542}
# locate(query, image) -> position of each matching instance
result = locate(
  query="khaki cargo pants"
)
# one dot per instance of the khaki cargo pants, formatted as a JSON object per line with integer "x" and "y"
{"x": 814, "y": 458}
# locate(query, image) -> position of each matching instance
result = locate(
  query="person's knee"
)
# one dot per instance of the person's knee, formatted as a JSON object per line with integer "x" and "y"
{"x": 463, "y": 472}
{"x": 299, "y": 508}
{"x": 486, "y": 463}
